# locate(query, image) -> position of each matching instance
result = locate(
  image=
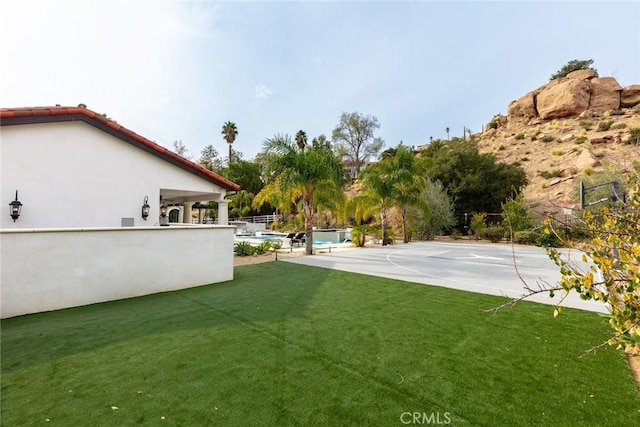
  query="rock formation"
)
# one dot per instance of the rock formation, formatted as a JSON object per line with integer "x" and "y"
{"x": 579, "y": 92}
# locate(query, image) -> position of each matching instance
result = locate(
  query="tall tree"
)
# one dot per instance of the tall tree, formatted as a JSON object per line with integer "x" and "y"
{"x": 408, "y": 184}
{"x": 301, "y": 139}
{"x": 321, "y": 142}
{"x": 229, "y": 132}
{"x": 180, "y": 148}
{"x": 310, "y": 171}
{"x": 210, "y": 159}
{"x": 477, "y": 182}
{"x": 354, "y": 138}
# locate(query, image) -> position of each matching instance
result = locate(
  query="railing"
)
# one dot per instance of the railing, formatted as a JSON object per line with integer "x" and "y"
{"x": 259, "y": 219}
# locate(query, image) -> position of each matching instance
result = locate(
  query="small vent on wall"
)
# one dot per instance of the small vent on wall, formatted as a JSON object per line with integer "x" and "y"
{"x": 126, "y": 222}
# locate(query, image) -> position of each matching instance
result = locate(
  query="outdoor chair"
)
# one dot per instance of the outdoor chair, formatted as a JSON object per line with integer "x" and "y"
{"x": 298, "y": 239}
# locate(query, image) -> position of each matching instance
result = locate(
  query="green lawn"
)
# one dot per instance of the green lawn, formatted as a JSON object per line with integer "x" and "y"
{"x": 284, "y": 344}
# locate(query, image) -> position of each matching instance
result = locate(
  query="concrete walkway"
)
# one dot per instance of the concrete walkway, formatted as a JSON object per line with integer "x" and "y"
{"x": 473, "y": 267}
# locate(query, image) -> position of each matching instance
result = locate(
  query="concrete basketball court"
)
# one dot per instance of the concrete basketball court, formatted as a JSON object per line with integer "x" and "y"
{"x": 473, "y": 267}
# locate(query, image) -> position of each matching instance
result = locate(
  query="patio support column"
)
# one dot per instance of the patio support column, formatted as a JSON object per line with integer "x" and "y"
{"x": 186, "y": 213}
{"x": 223, "y": 212}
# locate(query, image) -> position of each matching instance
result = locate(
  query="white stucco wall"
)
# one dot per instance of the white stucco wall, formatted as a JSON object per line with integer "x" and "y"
{"x": 72, "y": 174}
{"x": 43, "y": 270}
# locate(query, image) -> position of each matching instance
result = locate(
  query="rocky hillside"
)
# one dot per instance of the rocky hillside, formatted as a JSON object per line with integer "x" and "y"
{"x": 570, "y": 127}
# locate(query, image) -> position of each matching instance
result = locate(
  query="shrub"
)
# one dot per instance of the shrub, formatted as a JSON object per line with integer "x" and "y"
{"x": 548, "y": 239}
{"x": 526, "y": 237}
{"x": 634, "y": 136}
{"x": 276, "y": 245}
{"x": 359, "y": 234}
{"x": 546, "y": 138}
{"x": 494, "y": 234}
{"x": 519, "y": 136}
{"x": 581, "y": 140}
{"x": 478, "y": 224}
{"x": 262, "y": 248}
{"x": 587, "y": 171}
{"x": 586, "y": 124}
{"x": 456, "y": 235}
{"x": 617, "y": 113}
{"x": 619, "y": 126}
{"x": 604, "y": 125}
{"x": 555, "y": 173}
{"x": 557, "y": 152}
{"x": 493, "y": 125}
{"x": 516, "y": 214}
{"x": 243, "y": 249}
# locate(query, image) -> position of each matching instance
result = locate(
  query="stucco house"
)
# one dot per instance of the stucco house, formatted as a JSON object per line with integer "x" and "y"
{"x": 86, "y": 200}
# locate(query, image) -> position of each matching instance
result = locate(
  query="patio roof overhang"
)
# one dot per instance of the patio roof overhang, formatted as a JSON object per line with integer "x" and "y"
{"x": 182, "y": 196}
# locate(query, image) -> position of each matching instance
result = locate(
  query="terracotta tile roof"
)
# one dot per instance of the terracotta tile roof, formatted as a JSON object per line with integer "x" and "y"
{"x": 12, "y": 116}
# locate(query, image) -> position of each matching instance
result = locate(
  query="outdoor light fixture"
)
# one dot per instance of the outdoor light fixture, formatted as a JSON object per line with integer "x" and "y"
{"x": 145, "y": 208}
{"x": 164, "y": 221}
{"x": 15, "y": 208}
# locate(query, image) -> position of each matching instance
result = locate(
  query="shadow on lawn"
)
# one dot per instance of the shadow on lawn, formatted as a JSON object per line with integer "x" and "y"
{"x": 257, "y": 293}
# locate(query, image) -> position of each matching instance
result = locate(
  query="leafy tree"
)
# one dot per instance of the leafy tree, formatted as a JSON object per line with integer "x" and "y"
{"x": 308, "y": 171}
{"x": 478, "y": 224}
{"x": 246, "y": 174}
{"x": 180, "y": 148}
{"x": 301, "y": 140}
{"x": 354, "y": 138}
{"x": 210, "y": 159}
{"x": 477, "y": 182}
{"x": 229, "y": 132}
{"x": 439, "y": 217}
{"x": 574, "y": 65}
{"x": 516, "y": 215}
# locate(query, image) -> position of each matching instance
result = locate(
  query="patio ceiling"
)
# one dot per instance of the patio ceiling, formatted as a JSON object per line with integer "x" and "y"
{"x": 181, "y": 196}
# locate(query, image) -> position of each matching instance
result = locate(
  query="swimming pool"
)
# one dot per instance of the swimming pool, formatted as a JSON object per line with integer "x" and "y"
{"x": 320, "y": 237}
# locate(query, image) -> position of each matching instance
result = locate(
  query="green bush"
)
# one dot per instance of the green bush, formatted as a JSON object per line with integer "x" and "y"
{"x": 556, "y": 173}
{"x": 526, "y": 237}
{"x": 548, "y": 240}
{"x": 493, "y": 125}
{"x": 604, "y": 125}
{"x": 586, "y": 124}
{"x": 478, "y": 224}
{"x": 546, "y": 139}
{"x": 262, "y": 248}
{"x": 276, "y": 245}
{"x": 494, "y": 233}
{"x": 634, "y": 136}
{"x": 519, "y": 136}
{"x": 243, "y": 249}
{"x": 456, "y": 235}
{"x": 581, "y": 140}
{"x": 619, "y": 126}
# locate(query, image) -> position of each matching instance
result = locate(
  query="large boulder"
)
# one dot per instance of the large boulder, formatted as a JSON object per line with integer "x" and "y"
{"x": 582, "y": 74}
{"x": 605, "y": 94}
{"x": 586, "y": 160}
{"x": 522, "y": 110}
{"x": 630, "y": 96}
{"x": 566, "y": 99}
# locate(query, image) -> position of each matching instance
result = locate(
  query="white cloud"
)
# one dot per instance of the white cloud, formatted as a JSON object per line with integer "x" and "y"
{"x": 262, "y": 91}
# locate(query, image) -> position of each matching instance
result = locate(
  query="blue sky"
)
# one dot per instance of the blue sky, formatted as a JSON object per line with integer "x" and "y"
{"x": 177, "y": 70}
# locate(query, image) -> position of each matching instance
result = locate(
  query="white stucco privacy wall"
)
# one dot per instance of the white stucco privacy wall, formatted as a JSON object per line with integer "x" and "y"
{"x": 43, "y": 270}
{"x": 72, "y": 174}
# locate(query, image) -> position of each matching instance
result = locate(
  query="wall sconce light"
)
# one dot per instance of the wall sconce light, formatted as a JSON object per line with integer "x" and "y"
{"x": 164, "y": 221}
{"x": 15, "y": 207}
{"x": 145, "y": 208}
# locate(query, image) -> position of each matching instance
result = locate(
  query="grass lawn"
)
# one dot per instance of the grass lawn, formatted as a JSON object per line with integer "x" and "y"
{"x": 284, "y": 344}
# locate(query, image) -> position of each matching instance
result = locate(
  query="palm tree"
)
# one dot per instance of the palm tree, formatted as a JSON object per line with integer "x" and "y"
{"x": 301, "y": 139}
{"x": 229, "y": 131}
{"x": 311, "y": 172}
{"x": 377, "y": 189}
